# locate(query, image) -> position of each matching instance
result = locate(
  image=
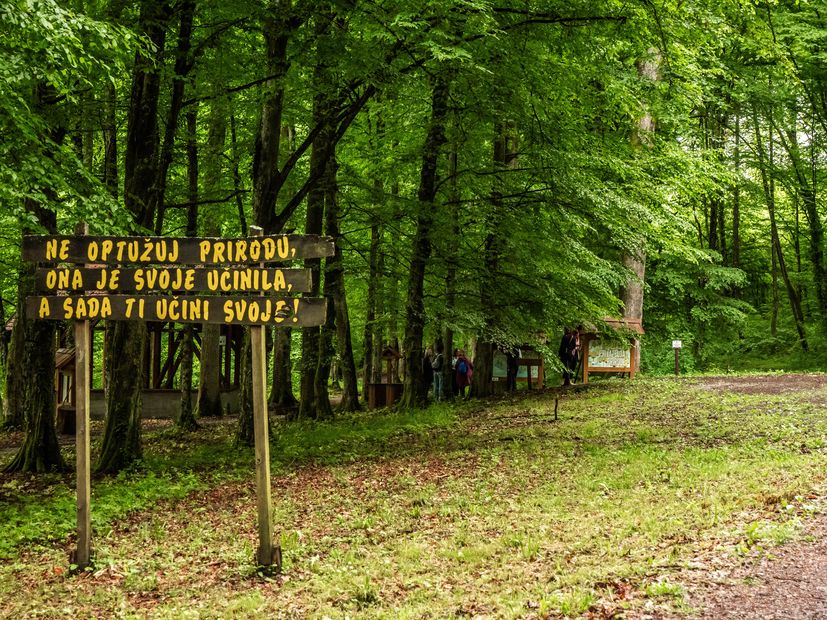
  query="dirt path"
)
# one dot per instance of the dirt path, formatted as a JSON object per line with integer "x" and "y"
{"x": 786, "y": 582}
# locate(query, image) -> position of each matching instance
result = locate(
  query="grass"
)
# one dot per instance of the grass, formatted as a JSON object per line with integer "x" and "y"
{"x": 490, "y": 509}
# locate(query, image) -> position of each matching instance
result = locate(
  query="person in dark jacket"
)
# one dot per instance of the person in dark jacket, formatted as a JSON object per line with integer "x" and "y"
{"x": 568, "y": 353}
{"x": 512, "y": 365}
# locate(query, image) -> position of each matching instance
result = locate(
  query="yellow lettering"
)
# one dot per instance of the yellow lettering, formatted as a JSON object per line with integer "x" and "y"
{"x": 206, "y": 309}
{"x": 93, "y": 307}
{"x": 68, "y": 309}
{"x": 161, "y": 309}
{"x": 245, "y": 280}
{"x": 268, "y": 307}
{"x": 44, "y": 310}
{"x": 121, "y": 246}
{"x": 204, "y": 250}
{"x": 141, "y": 304}
{"x": 253, "y": 312}
{"x": 189, "y": 280}
{"x": 240, "y": 308}
{"x": 279, "y": 316}
{"x": 129, "y": 303}
{"x": 228, "y": 311}
{"x": 269, "y": 249}
{"x": 151, "y": 278}
{"x": 241, "y": 251}
{"x": 63, "y": 279}
{"x": 106, "y": 307}
{"x": 106, "y": 249}
{"x": 101, "y": 283}
{"x": 218, "y": 253}
{"x": 174, "y": 313}
{"x": 226, "y": 284}
{"x": 175, "y": 282}
{"x": 163, "y": 279}
{"x": 80, "y": 309}
{"x": 212, "y": 280}
{"x": 113, "y": 279}
{"x": 51, "y": 249}
{"x": 161, "y": 251}
{"x": 64, "y": 249}
{"x": 77, "y": 280}
{"x": 51, "y": 278}
{"x": 139, "y": 279}
{"x": 255, "y": 249}
{"x": 173, "y": 256}
{"x": 279, "y": 283}
{"x": 92, "y": 251}
{"x": 133, "y": 250}
{"x": 146, "y": 256}
{"x": 284, "y": 247}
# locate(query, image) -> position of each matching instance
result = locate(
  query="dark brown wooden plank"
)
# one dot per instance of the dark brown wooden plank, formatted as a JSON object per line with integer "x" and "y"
{"x": 174, "y": 250}
{"x": 276, "y": 311}
{"x": 202, "y": 279}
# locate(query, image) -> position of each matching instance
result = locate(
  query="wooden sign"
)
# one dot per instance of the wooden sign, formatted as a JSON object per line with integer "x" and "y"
{"x": 216, "y": 287}
{"x": 247, "y": 310}
{"x": 174, "y": 250}
{"x": 213, "y": 280}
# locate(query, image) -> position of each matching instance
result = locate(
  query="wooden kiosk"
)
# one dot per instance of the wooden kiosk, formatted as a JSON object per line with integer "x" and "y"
{"x": 611, "y": 357}
{"x": 530, "y": 369}
{"x": 387, "y": 393}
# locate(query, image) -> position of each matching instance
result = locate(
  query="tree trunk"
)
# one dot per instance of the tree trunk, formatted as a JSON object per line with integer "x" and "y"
{"x": 186, "y": 418}
{"x": 209, "y": 385}
{"x": 415, "y": 305}
{"x": 504, "y": 157}
{"x": 282, "y": 396}
{"x": 182, "y": 68}
{"x": 245, "y": 434}
{"x": 632, "y": 293}
{"x": 768, "y": 183}
{"x": 451, "y": 275}
{"x": 335, "y": 289}
{"x": 122, "y": 428}
{"x": 372, "y": 335}
{"x": 267, "y": 179}
{"x": 30, "y": 380}
{"x": 30, "y": 383}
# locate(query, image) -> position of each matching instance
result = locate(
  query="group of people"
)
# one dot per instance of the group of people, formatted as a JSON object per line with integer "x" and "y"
{"x": 433, "y": 368}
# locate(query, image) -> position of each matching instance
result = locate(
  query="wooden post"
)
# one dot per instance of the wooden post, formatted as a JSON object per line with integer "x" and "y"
{"x": 586, "y": 360}
{"x": 677, "y": 361}
{"x": 267, "y": 554}
{"x": 82, "y": 554}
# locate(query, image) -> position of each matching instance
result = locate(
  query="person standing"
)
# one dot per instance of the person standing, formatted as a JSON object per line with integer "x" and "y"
{"x": 437, "y": 365}
{"x": 427, "y": 372}
{"x": 463, "y": 372}
{"x": 568, "y": 354}
{"x": 512, "y": 357}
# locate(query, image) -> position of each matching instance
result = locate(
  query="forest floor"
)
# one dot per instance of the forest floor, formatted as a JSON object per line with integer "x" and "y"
{"x": 663, "y": 498}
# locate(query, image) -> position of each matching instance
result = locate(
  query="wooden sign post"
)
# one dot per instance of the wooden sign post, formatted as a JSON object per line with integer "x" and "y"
{"x": 183, "y": 280}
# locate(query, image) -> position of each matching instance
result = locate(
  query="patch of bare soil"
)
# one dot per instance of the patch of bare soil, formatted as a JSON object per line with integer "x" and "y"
{"x": 764, "y": 384}
{"x": 787, "y": 582}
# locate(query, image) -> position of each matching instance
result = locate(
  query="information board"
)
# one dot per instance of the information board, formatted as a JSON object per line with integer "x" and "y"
{"x": 608, "y": 355}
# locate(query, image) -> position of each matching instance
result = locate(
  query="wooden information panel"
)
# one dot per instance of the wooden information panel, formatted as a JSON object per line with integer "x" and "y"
{"x": 183, "y": 279}
{"x": 289, "y": 312}
{"x": 174, "y": 250}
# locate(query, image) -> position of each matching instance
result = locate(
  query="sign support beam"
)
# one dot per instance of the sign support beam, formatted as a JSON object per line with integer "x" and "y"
{"x": 268, "y": 554}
